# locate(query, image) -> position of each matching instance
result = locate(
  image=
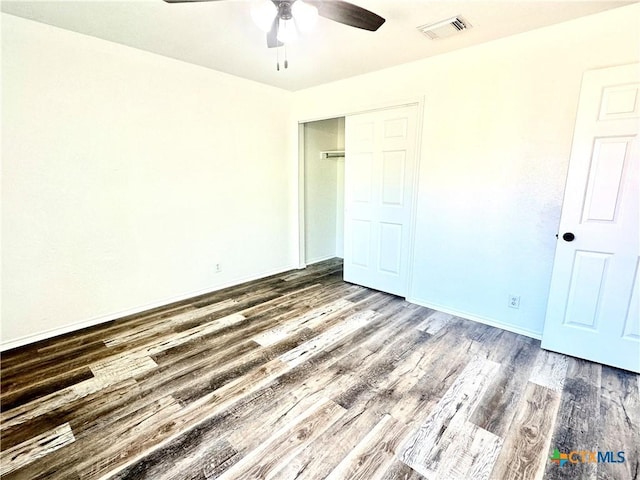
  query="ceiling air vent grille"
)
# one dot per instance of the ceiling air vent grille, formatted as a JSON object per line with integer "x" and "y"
{"x": 445, "y": 28}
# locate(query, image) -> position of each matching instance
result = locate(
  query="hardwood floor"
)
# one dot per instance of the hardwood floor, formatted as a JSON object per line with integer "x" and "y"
{"x": 303, "y": 376}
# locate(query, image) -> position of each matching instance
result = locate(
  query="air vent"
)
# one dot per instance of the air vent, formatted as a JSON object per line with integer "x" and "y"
{"x": 445, "y": 28}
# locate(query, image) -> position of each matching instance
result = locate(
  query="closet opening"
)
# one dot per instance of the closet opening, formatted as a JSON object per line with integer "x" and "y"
{"x": 322, "y": 190}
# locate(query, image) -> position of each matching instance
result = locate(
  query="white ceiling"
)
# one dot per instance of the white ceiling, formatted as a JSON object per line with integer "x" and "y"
{"x": 221, "y": 35}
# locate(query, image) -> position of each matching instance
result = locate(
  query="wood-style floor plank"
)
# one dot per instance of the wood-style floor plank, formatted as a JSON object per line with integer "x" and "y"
{"x": 401, "y": 471}
{"x": 525, "y": 448}
{"x": 303, "y": 376}
{"x": 578, "y": 424}
{"x": 620, "y": 406}
{"x": 549, "y": 370}
{"x": 435, "y": 322}
{"x": 374, "y": 455}
{"x": 13, "y": 397}
{"x": 273, "y": 455}
{"x": 446, "y": 431}
{"x": 25, "y": 453}
{"x": 500, "y": 404}
{"x": 442, "y": 371}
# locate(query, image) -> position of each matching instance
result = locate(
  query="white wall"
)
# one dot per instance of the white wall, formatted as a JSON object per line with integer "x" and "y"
{"x": 496, "y": 139}
{"x": 320, "y": 190}
{"x": 127, "y": 176}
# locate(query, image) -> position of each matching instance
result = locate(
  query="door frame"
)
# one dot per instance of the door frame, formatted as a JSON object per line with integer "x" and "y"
{"x": 418, "y": 101}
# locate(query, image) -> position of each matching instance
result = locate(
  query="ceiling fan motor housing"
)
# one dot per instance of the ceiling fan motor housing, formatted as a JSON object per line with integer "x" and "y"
{"x": 284, "y": 10}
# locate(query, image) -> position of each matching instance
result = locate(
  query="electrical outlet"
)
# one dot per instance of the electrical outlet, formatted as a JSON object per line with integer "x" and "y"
{"x": 218, "y": 268}
{"x": 514, "y": 301}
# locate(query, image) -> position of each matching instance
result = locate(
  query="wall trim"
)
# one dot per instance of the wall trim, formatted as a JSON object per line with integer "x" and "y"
{"x": 476, "y": 318}
{"x": 320, "y": 259}
{"x": 413, "y": 219}
{"x": 37, "y": 337}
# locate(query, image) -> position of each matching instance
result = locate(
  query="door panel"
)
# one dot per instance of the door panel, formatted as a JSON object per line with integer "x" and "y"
{"x": 360, "y": 242}
{"x": 361, "y": 184}
{"x": 619, "y": 102}
{"x": 631, "y": 329}
{"x": 393, "y": 164}
{"x": 588, "y": 282}
{"x": 395, "y": 128}
{"x": 379, "y": 171}
{"x": 389, "y": 256}
{"x": 592, "y": 311}
{"x": 604, "y": 186}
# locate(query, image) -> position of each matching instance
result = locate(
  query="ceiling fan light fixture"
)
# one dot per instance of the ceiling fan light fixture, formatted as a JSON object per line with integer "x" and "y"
{"x": 287, "y": 32}
{"x": 305, "y": 15}
{"x": 263, "y": 14}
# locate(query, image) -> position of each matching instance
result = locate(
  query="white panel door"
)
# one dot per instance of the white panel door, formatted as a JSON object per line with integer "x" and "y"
{"x": 380, "y": 163}
{"x": 593, "y": 302}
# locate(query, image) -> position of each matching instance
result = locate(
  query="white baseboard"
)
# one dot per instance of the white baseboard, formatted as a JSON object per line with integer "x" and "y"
{"x": 319, "y": 259}
{"x": 487, "y": 321}
{"x": 36, "y": 337}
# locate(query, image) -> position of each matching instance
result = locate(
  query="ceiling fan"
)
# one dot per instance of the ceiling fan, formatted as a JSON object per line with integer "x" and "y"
{"x": 281, "y": 18}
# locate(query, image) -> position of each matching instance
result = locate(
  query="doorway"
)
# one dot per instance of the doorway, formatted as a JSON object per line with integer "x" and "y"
{"x": 322, "y": 182}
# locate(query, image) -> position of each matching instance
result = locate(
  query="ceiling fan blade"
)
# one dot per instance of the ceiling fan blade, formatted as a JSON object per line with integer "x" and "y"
{"x": 272, "y": 35}
{"x": 348, "y": 13}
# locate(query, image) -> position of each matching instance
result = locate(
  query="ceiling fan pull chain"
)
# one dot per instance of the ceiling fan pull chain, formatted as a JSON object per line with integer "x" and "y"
{"x": 278, "y": 58}
{"x": 286, "y": 62}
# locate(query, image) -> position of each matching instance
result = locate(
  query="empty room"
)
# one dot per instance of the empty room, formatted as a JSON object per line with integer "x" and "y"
{"x": 315, "y": 239}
